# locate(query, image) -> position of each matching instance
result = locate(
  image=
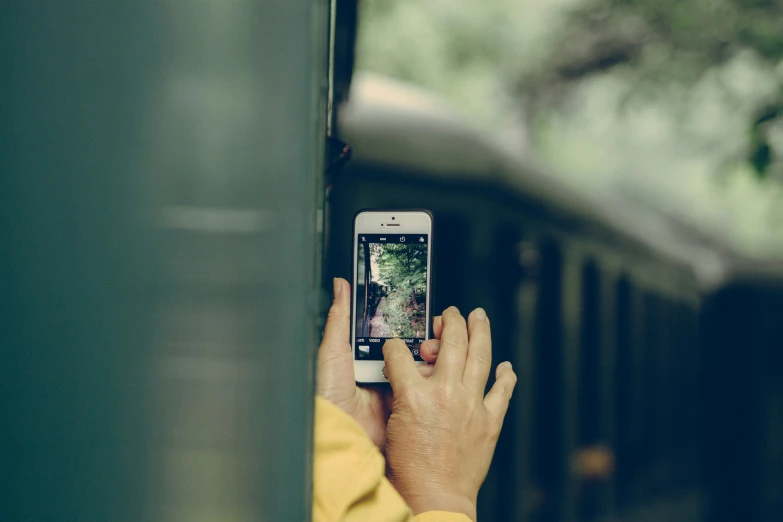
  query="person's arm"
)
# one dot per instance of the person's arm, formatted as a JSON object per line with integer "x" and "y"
{"x": 348, "y": 476}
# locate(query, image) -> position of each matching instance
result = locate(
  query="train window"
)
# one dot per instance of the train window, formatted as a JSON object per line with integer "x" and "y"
{"x": 622, "y": 394}
{"x": 589, "y": 397}
{"x": 633, "y": 451}
{"x": 450, "y": 263}
{"x": 651, "y": 379}
{"x": 650, "y": 350}
{"x": 666, "y": 379}
{"x": 506, "y": 275}
{"x": 590, "y": 358}
{"x": 548, "y": 454}
{"x": 682, "y": 400}
{"x": 506, "y": 488}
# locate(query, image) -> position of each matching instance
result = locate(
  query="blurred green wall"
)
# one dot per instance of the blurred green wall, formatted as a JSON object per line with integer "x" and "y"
{"x": 160, "y": 167}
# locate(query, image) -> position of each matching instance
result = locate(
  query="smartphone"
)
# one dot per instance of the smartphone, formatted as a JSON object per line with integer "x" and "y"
{"x": 391, "y": 286}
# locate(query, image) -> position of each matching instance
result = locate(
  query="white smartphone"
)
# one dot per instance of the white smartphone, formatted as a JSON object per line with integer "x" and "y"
{"x": 391, "y": 286}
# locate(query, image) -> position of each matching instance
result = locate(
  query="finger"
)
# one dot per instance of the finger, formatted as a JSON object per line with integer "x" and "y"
{"x": 400, "y": 367}
{"x": 426, "y": 370}
{"x": 437, "y": 327}
{"x": 336, "y": 339}
{"x": 453, "y": 345}
{"x": 429, "y": 350}
{"x": 498, "y": 397}
{"x": 479, "y": 351}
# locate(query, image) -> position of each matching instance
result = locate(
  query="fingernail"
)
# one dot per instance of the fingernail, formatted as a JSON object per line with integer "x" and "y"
{"x": 434, "y": 347}
{"x": 337, "y": 287}
{"x": 479, "y": 313}
{"x": 507, "y": 365}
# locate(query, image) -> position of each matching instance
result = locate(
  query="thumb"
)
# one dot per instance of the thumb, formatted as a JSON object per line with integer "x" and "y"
{"x": 336, "y": 339}
{"x": 400, "y": 366}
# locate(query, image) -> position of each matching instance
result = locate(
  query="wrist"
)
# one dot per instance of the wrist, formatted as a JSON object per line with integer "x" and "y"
{"x": 343, "y": 399}
{"x": 450, "y": 503}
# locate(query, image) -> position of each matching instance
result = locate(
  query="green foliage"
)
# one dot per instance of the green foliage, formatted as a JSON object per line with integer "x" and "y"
{"x": 761, "y": 154}
{"x": 664, "y": 48}
{"x": 403, "y": 270}
{"x": 660, "y": 102}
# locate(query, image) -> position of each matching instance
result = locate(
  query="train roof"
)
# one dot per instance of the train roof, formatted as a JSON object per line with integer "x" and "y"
{"x": 388, "y": 122}
{"x": 757, "y": 273}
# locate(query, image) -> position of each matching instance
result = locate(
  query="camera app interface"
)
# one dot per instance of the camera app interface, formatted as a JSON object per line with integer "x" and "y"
{"x": 391, "y": 292}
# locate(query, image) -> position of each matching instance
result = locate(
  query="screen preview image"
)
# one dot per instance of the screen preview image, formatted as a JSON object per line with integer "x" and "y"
{"x": 391, "y": 292}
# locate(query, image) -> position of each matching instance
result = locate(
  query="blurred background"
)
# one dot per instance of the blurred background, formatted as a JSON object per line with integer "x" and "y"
{"x": 672, "y": 105}
{"x": 605, "y": 178}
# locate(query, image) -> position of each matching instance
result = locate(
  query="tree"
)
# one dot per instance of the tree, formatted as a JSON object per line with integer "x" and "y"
{"x": 671, "y": 105}
{"x": 367, "y": 277}
{"x": 665, "y": 47}
{"x": 403, "y": 270}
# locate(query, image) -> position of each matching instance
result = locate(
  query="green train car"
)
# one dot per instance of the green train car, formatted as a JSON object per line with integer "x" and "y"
{"x": 594, "y": 303}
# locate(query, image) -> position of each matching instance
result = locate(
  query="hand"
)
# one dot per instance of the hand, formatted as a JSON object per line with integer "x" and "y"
{"x": 369, "y": 406}
{"x": 442, "y": 431}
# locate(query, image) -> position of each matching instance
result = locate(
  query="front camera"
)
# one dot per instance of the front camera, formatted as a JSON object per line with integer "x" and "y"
{"x": 392, "y": 218}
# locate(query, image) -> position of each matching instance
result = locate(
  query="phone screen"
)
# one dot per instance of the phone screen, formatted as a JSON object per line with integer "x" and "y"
{"x": 391, "y": 292}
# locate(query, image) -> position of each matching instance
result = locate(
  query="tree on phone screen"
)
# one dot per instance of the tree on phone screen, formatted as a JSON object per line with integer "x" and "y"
{"x": 402, "y": 272}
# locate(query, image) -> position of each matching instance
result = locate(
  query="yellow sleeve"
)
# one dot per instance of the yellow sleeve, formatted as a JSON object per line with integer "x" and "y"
{"x": 441, "y": 516}
{"x": 349, "y": 482}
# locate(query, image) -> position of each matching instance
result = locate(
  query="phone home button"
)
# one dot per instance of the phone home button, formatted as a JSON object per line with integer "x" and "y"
{"x": 383, "y": 371}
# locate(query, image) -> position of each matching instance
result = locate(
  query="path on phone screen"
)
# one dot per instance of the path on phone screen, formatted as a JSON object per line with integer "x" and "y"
{"x": 378, "y": 326}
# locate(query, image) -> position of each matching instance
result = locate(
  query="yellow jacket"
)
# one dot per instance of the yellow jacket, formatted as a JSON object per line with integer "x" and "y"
{"x": 349, "y": 482}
